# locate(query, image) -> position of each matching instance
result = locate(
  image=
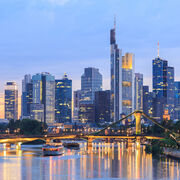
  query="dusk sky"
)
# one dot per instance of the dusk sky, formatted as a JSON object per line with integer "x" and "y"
{"x": 59, "y": 36}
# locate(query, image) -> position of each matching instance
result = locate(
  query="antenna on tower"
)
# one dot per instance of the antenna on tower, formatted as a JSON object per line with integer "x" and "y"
{"x": 158, "y": 48}
{"x": 115, "y": 22}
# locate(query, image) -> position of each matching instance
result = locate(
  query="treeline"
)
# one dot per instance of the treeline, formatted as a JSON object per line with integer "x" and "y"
{"x": 23, "y": 127}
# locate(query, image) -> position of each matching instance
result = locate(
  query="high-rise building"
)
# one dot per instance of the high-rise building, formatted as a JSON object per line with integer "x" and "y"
{"x": 116, "y": 71}
{"x": 148, "y": 98}
{"x": 63, "y": 100}
{"x": 11, "y": 101}
{"x": 138, "y": 97}
{"x": 122, "y": 80}
{"x": 177, "y": 100}
{"x": 102, "y": 106}
{"x": 26, "y": 98}
{"x": 91, "y": 81}
{"x": 127, "y": 93}
{"x": 163, "y": 87}
{"x": 86, "y": 113}
{"x": 77, "y": 98}
{"x": 37, "y": 112}
{"x": 44, "y": 93}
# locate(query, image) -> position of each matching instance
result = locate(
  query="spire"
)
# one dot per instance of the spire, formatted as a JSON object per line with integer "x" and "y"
{"x": 115, "y": 22}
{"x": 158, "y": 48}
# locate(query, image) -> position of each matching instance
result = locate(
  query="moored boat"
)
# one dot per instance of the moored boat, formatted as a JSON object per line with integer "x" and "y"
{"x": 52, "y": 149}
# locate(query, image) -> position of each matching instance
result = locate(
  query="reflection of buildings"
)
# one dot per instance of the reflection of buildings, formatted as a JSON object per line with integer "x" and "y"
{"x": 11, "y": 101}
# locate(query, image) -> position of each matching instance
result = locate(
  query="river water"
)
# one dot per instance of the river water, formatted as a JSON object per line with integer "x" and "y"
{"x": 103, "y": 161}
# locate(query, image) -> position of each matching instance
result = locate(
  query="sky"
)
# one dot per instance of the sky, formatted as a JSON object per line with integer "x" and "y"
{"x": 65, "y": 36}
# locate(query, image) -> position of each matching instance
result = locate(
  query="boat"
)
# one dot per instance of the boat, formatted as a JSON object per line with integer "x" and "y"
{"x": 53, "y": 149}
{"x": 71, "y": 145}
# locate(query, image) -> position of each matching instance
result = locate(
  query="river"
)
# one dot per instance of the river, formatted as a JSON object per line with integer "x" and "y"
{"x": 102, "y": 161}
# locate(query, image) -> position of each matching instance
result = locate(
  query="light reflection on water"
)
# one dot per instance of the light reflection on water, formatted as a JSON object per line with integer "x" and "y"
{"x": 101, "y": 161}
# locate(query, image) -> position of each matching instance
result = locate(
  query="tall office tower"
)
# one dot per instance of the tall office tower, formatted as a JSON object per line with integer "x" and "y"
{"x": 63, "y": 100}
{"x": 102, "y": 106}
{"x": 86, "y": 113}
{"x": 11, "y": 101}
{"x": 26, "y": 98}
{"x": 163, "y": 87}
{"x": 138, "y": 97}
{"x": 116, "y": 71}
{"x": 148, "y": 101}
{"x": 177, "y": 100}
{"x": 127, "y": 93}
{"x": 91, "y": 81}
{"x": 44, "y": 93}
{"x": 77, "y": 98}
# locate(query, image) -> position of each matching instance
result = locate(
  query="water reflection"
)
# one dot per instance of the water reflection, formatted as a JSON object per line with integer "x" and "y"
{"x": 100, "y": 161}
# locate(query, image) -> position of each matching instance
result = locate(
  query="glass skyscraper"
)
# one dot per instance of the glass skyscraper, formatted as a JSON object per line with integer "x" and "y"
{"x": 26, "y": 98}
{"x": 91, "y": 81}
{"x": 44, "y": 93}
{"x": 122, "y": 80}
{"x": 163, "y": 87}
{"x": 11, "y": 101}
{"x": 138, "y": 97}
{"x": 177, "y": 100}
{"x": 63, "y": 100}
{"x": 116, "y": 71}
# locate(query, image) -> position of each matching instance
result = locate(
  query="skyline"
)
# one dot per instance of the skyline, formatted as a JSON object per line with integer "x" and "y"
{"x": 77, "y": 42}
{"x": 34, "y": 33}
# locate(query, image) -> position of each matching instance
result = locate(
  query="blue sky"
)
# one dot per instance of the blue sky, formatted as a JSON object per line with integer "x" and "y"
{"x": 60, "y": 36}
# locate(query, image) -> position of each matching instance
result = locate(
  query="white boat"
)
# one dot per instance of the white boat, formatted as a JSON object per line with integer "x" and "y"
{"x": 53, "y": 149}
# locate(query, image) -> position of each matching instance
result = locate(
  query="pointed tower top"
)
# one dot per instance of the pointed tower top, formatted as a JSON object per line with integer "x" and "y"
{"x": 158, "y": 48}
{"x": 115, "y": 22}
{"x": 65, "y": 76}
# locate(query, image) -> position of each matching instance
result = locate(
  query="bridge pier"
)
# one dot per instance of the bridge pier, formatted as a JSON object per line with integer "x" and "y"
{"x": 129, "y": 143}
{"x": 18, "y": 145}
{"x": 138, "y": 122}
{"x": 107, "y": 140}
{"x": 89, "y": 142}
{"x": 138, "y": 142}
{"x": 7, "y": 145}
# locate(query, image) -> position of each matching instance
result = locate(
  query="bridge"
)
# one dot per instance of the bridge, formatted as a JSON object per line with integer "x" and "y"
{"x": 138, "y": 136}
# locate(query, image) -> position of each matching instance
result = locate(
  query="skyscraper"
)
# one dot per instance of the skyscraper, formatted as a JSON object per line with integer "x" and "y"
{"x": 177, "y": 100}
{"x": 116, "y": 71}
{"x": 163, "y": 87}
{"x": 91, "y": 81}
{"x": 63, "y": 100}
{"x": 44, "y": 93}
{"x": 77, "y": 98}
{"x": 27, "y": 93}
{"x": 122, "y": 80}
{"x": 138, "y": 97}
{"x": 102, "y": 106}
{"x": 11, "y": 101}
{"x": 127, "y": 93}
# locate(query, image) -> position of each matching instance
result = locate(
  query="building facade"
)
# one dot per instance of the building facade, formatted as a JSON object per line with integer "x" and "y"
{"x": 177, "y": 100}
{"x": 11, "y": 101}
{"x": 102, "y": 106}
{"x": 63, "y": 100}
{"x": 163, "y": 87}
{"x": 77, "y": 98}
{"x": 116, "y": 71}
{"x": 26, "y": 98}
{"x": 91, "y": 81}
{"x": 44, "y": 93}
{"x": 138, "y": 91}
